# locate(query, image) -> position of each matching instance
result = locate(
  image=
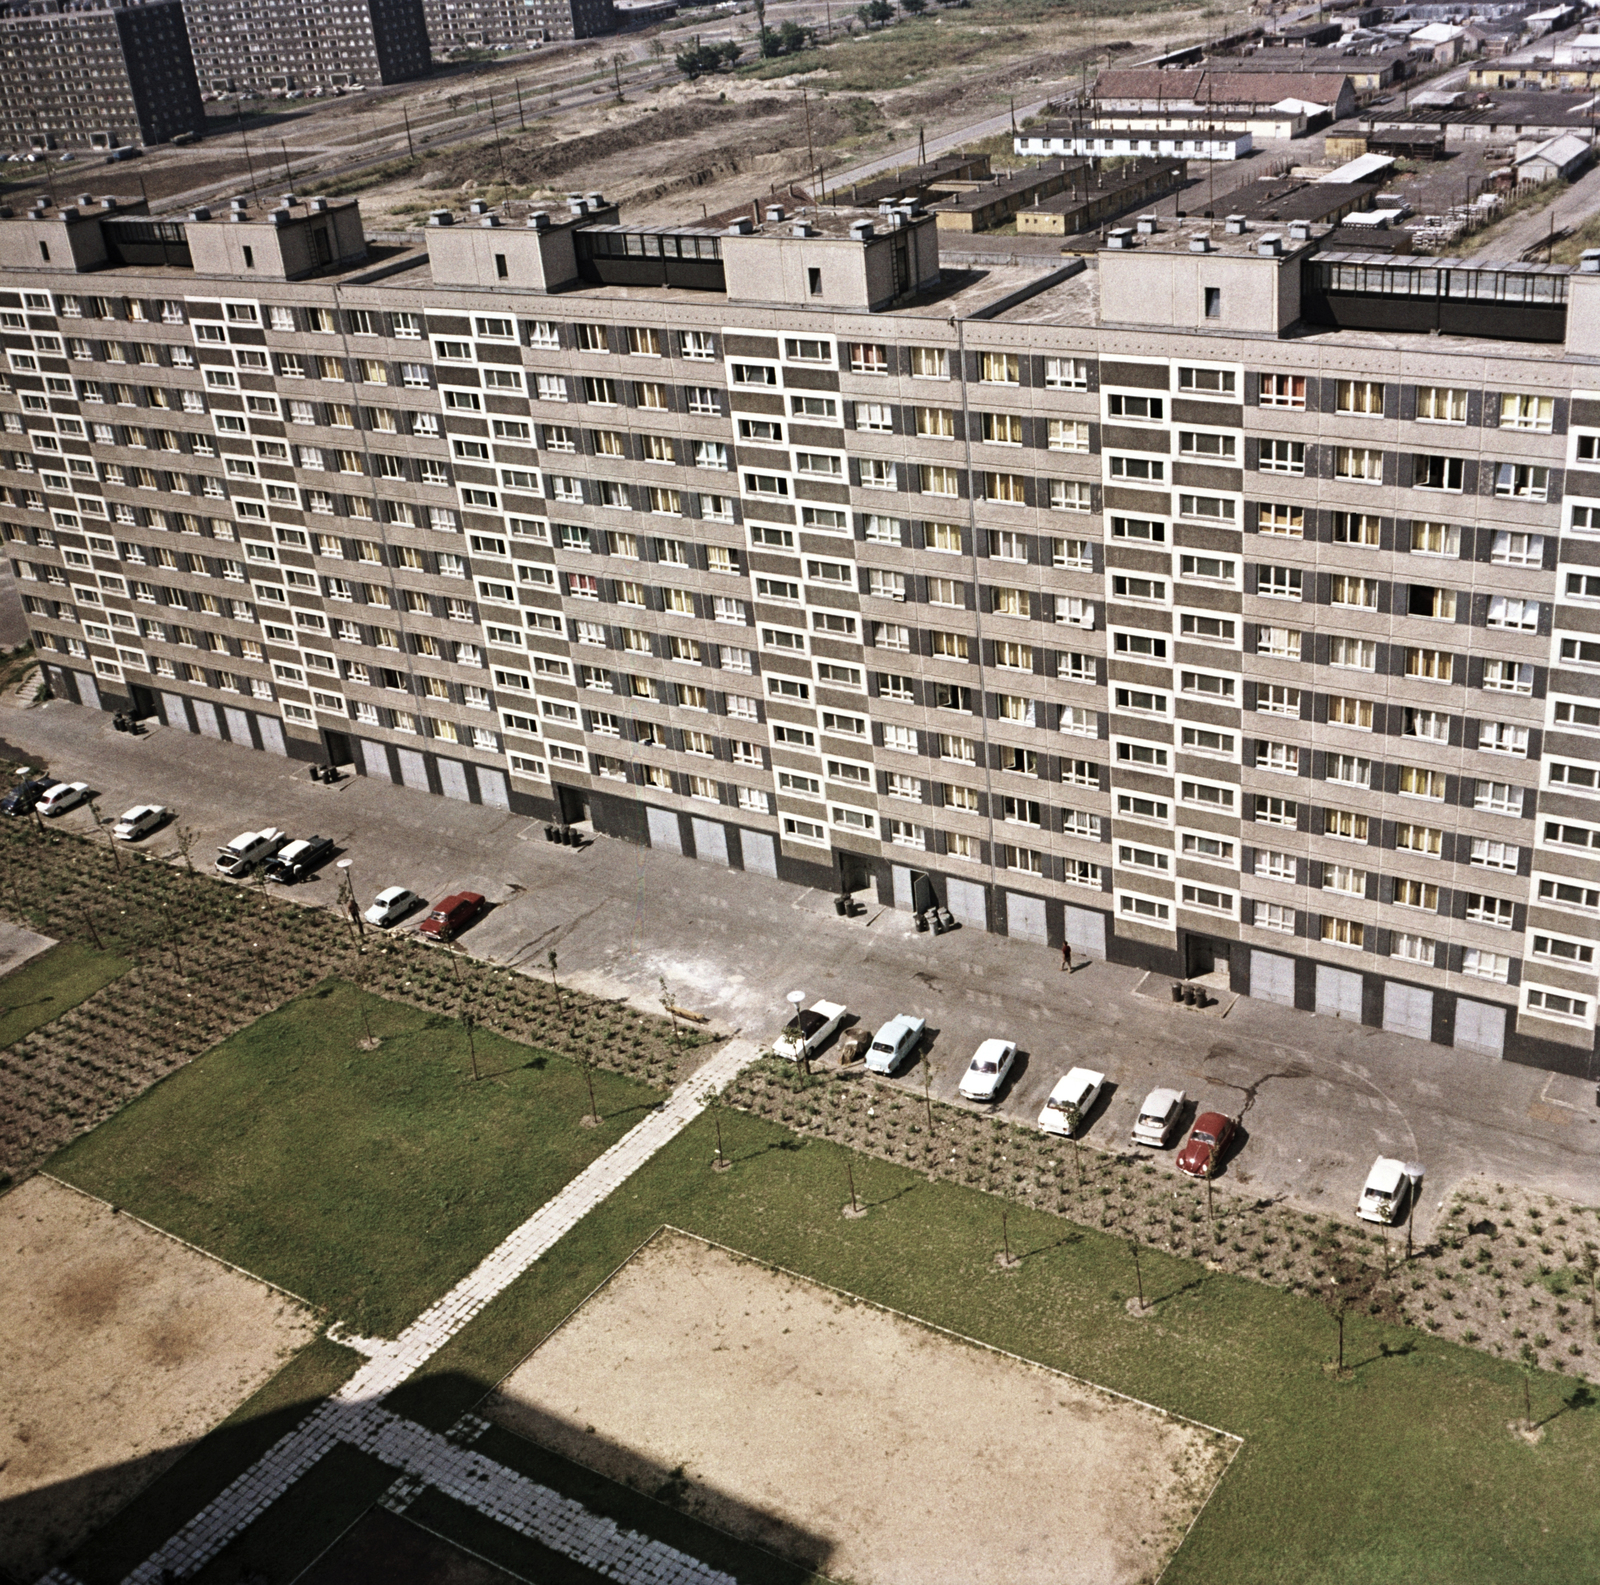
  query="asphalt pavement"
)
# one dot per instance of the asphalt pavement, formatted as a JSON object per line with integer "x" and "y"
{"x": 1319, "y": 1098}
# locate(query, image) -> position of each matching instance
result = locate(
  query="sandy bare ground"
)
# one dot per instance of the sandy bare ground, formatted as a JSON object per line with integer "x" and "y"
{"x": 859, "y": 1442}
{"x": 120, "y": 1348}
{"x": 18, "y": 945}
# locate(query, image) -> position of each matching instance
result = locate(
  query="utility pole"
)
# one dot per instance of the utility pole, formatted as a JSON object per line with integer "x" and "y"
{"x": 521, "y": 123}
{"x": 499, "y": 147}
{"x": 411, "y": 151}
{"x": 288, "y": 174}
{"x": 250, "y": 164}
{"x": 811, "y": 153}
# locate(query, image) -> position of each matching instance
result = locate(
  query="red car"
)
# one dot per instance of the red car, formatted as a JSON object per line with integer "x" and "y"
{"x": 1208, "y": 1142}
{"x": 451, "y": 915}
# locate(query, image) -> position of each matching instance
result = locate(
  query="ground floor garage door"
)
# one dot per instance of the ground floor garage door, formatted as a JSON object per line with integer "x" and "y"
{"x": 376, "y": 760}
{"x": 1086, "y": 932}
{"x": 1338, "y": 993}
{"x": 413, "y": 769}
{"x": 205, "y": 717}
{"x": 492, "y": 787}
{"x": 663, "y": 827}
{"x": 1480, "y": 1027}
{"x": 965, "y": 900}
{"x": 1272, "y": 978}
{"x": 271, "y": 730}
{"x": 760, "y": 852}
{"x": 1408, "y": 1010}
{"x": 238, "y": 727}
{"x": 710, "y": 841}
{"x": 1025, "y": 918}
{"x": 453, "y": 779}
{"x": 177, "y": 714}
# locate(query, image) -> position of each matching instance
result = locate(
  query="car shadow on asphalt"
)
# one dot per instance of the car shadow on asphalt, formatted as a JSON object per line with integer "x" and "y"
{"x": 1102, "y": 1105}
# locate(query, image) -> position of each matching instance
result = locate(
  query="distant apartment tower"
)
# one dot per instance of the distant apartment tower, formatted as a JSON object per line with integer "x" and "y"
{"x": 248, "y": 46}
{"x": 95, "y": 75}
{"x": 498, "y": 24}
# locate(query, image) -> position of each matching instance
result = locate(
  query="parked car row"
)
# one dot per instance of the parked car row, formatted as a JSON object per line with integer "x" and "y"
{"x": 1066, "y": 1109}
{"x": 44, "y": 795}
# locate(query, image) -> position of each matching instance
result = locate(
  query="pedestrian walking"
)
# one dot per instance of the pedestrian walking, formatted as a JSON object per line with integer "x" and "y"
{"x": 1066, "y": 957}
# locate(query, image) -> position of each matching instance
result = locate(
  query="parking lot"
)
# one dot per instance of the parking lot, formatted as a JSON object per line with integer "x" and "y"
{"x": 1318, "y": 1098}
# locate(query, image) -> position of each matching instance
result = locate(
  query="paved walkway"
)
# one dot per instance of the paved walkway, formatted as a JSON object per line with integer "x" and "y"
{"x": 352, "y": 1413}
{"x": 523, "y": 1505}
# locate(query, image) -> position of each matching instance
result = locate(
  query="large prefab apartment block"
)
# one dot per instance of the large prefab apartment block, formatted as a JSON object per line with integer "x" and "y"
{"x": 1223, "y": 605}
{"x": 98, "y": 76}
{"x": 298, "y": 46}
{"x": 516, "y": 24}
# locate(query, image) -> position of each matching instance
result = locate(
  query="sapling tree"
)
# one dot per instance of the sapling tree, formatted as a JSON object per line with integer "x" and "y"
{"x": 111, "y": 841}
{"x": 184, "y": 839}
{"x": 669, "y": 1006}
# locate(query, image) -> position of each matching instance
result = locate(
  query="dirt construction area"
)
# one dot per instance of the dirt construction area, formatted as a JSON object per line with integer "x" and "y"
{"x": 862, "y": 1443}
{"x": 121, "y": 1346}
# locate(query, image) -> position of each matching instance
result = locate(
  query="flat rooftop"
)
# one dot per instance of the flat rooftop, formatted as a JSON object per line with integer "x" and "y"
{"x": 1505, "y": 107}
{"x": 1007, "y": 186}
{"x": 1294, "y": 198}
{"x": 1181, "y": 236}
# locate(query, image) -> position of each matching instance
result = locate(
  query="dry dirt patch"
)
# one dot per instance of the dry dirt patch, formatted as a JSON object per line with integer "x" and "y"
{"x": 121, "y": 1347}
{"x": 857, "y": 1441}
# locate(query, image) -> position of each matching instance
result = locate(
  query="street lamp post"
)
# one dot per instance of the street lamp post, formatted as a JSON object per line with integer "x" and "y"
{"x": 1413, "y": 1171}
{"x": 794, "y": 999}
{"x": 347, "y": 868}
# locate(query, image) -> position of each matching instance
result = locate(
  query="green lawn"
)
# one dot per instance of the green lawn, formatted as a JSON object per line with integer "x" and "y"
{"x": 1403, "y": 1473}
{"x": 367, "y": 1182}
{"x": 46, "y": 986}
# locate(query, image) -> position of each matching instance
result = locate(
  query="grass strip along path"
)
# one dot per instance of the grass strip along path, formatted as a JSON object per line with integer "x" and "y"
{"x": 368, "y": 1182}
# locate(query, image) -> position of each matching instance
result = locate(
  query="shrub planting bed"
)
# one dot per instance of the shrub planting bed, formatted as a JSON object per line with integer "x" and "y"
{"x": 210, "y": 956}
{"x": 1510, "y": 1272}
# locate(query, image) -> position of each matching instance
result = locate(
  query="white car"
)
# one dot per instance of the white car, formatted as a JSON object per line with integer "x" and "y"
{"x": 1158, "y": 1117}
{"x": 393, "y": 903}
{"x": 895, "y": 1042}
{"x": 809, "y": 1030}
{"x": 987, "y": 1071}
{"x": 1387, "y": 1189}
{"x": 1070, "y": 1101}
{"x": 249, "y": 849}
{"x": 138, "y": 822}
{"x": 63, "y": 796}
